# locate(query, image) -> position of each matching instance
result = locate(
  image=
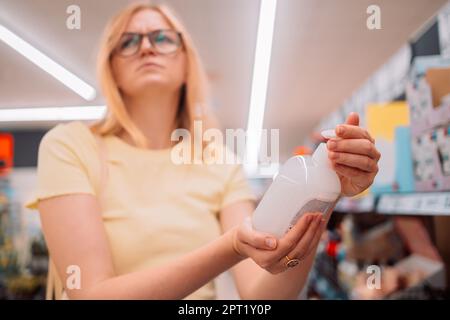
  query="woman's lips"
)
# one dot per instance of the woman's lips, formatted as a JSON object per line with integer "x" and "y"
{"x": 149, "y": 65}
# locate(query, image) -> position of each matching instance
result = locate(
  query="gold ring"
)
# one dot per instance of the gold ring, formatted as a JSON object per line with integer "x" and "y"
{"x": 290, "y": 263}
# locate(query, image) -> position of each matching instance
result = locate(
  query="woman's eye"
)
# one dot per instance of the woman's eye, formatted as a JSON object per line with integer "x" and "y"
{"x": 163, "y": 39}
{"x": 128, "y": 42}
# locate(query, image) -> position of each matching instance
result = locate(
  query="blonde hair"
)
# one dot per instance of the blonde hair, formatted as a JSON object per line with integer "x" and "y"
{"x": 194, "y": 93}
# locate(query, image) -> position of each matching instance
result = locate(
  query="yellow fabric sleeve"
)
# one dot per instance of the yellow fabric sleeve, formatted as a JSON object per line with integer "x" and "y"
{"x": 60, "y": 170}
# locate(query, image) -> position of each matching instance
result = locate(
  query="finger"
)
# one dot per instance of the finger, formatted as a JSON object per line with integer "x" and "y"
{"x": 256, "y": 239}
{"x": 271, "y": 261}
{"x": 291, "y": 238}
{"x": 356, "y": 146}
{"x": 353, "y": 160}
{"x": 301, "y": 248}
{"x": 347, "y": 131}
{"x": 259, "y": 257}
{"x": 358, "y": 176}
{"x": 281, "y": 266}
{"x": 277, "y": 269}
{"x": 264, "y": 259}
{"x": 353, "y": 119}
{"x": 317, "y": 238}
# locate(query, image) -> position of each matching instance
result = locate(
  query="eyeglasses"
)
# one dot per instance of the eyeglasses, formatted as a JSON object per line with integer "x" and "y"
{"x": 162, "y": 41}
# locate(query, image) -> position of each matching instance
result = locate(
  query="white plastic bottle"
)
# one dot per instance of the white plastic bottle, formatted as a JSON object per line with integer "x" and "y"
{"x": 303, "y": 184}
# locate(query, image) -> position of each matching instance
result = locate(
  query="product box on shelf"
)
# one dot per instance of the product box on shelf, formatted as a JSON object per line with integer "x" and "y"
{"x": 388, "y": 124}
{"x": 431, "y": 152}
{"x": 420, "y": 105}
{"x": 443, "y": 145}
{"x": 428, "y": 99}
{"x": 421, "y": 64}
{"x": 439, "y": 81}
{"x": 404, "y": 172}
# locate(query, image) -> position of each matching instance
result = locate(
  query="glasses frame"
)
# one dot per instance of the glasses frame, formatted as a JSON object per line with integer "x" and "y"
{"x": 150, "y": 37}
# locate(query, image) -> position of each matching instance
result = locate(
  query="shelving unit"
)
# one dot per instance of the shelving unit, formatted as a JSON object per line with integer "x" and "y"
{"x": 420, "y": 219}
{"x": 433, "y": 203}
{"x": 360, "y": 205}
{"x": 421, "y": 204}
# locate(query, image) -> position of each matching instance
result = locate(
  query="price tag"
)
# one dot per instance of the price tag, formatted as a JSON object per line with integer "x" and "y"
{"x": 437, "y": 203}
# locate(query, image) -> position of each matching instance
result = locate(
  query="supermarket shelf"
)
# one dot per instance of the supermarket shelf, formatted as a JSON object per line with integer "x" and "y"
{"x": 426, "y": 203}
{"x": 433, "y": 203}
{"x": 356, "y": 205}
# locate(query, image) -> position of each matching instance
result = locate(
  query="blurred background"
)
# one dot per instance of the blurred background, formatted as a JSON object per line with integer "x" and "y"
{"x": 324, "y": 61}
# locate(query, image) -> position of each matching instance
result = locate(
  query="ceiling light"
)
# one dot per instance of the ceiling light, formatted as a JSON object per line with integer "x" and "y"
{"x": 48, "y": 65}
{"x": 260, "y": 80}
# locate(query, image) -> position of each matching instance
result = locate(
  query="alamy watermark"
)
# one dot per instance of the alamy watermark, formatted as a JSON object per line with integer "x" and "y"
{"x": 73, "y": 21}
{"x": 374, "y": 279}
{"x": 211, "y": 146}
{"x": 73, "y": 280}
{"x": 373, "y": 22}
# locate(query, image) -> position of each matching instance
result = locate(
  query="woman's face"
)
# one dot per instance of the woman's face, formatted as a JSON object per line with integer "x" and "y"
{"x": 147, "y": 68}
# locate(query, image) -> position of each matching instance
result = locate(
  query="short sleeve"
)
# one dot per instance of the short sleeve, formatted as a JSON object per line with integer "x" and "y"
{"x": 237, "y": 187}
{"x": 60, "y": 170}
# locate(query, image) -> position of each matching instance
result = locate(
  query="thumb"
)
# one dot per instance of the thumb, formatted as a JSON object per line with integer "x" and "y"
{"x": 353, "y": 119}
{"x": 256, "y": 239}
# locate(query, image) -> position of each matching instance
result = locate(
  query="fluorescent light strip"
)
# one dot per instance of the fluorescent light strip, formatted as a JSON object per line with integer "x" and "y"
{"x": 48, "y": 65}
{"x": 52, "y": 113}
{"x": 260, "y": 82}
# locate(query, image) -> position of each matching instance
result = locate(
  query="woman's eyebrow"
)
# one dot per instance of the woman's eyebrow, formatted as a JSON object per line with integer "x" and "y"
{"x": 145, "y": 30}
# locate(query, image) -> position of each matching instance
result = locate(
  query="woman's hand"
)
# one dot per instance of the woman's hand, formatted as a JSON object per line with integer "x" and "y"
{"x": 353, "y": 156}
{"x": 271, "y": 254}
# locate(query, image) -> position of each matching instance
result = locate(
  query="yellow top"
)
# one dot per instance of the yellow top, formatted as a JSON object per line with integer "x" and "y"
{"x": 153, "y": 210}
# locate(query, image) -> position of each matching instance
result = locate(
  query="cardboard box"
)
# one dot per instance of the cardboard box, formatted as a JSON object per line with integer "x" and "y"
{"x": 439, "y": 82}
{"x": 431, "y": 160}
{"x": 428, "y": 96}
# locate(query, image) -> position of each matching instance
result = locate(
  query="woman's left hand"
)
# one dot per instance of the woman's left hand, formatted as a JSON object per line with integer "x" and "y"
{"x": 353, "y": 156}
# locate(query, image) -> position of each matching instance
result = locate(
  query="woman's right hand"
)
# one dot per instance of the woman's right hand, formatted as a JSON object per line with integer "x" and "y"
{"x": 271, "y": 253}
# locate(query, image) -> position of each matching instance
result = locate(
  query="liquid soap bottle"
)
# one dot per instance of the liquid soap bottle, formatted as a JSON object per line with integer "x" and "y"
{"x": 303, "y": 184}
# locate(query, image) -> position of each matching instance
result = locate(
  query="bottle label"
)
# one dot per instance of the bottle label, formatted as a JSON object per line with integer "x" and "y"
{"x": 312, "y": 206}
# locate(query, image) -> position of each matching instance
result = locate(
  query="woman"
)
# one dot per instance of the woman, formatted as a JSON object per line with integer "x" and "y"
{"x": 156, "y": 230}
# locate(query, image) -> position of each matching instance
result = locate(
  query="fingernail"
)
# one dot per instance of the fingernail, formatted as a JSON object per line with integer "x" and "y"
{"x": 270, "y": 242}
{"x": 340, "y": 130}
{"x": 319, "y": 223}
{"x": 331, "y": 144}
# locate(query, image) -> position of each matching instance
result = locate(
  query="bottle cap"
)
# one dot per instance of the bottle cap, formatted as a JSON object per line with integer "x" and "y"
{"x": 328, "y": 134}
{"x": 320, "y": 156}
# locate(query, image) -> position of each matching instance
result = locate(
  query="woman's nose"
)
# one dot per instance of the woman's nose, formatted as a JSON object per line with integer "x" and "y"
{"x": 146, "y": 46}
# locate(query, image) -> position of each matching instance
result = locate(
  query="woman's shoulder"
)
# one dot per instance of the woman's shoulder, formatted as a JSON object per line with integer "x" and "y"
{"x": 65, "y": 159}
{"x": 75, "y": 136}
{"x": 68, "y": 130}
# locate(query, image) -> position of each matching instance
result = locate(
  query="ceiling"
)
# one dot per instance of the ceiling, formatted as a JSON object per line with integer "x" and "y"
{"x": 322, "y": 52}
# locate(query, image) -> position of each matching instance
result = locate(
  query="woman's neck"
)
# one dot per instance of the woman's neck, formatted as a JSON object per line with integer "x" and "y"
{"x": 155, "y": 115}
